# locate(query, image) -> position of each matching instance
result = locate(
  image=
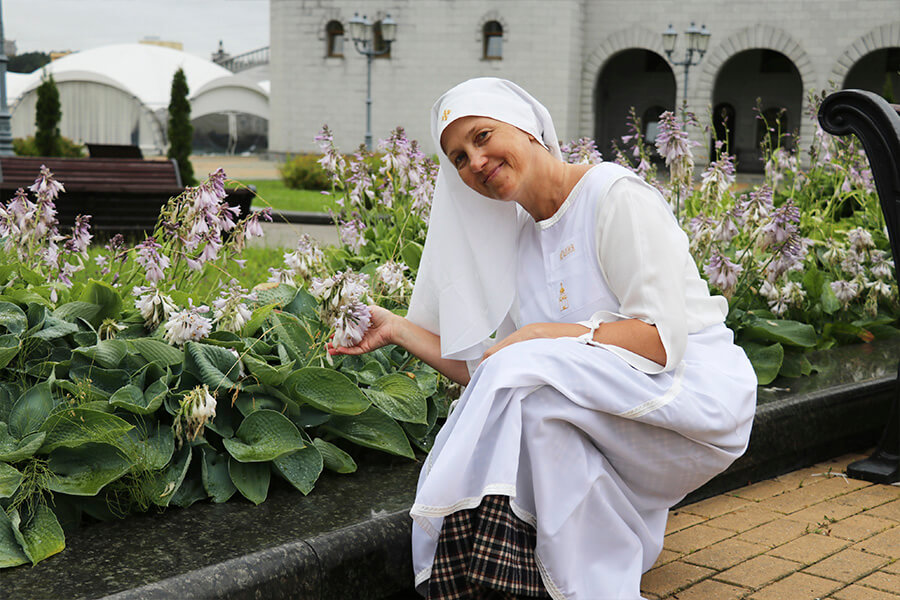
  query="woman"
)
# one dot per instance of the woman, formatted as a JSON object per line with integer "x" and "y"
{"x": 601, "y": 382}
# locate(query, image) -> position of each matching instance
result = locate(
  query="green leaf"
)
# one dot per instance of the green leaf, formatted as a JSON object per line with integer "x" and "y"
{"x": 163, "y": 486}
{"x": 103, "y": 382}
{"x": 41, "y": 536}
{"x": 303, "y": 305}
{"x": 334, "y": 458}
{"x": 264, "y": 435}
{"x": 216, "y": 480}
{"x": 9, "y": 347}
{"x": 105, "y": 296}
{"x": 399, "y": 397}
{"x": 301, "y": 468}
{"x": 792, "y": 333}
{"x": 53, "y": 329}
{"x": 326, "y": 390}
{"x": 157, "y": 352}
{"x": 24, "y": 297}
{"x": 412, "y": 254}
{"x": 149, "y": 448}
{"x": 422, "y": 436}
{"x": 251, "y": 479}
{"x": 795, "y": 364}
{"x": 372, "y": 429}
{"x": 277, "y": 294}
{"x": 13, "y": 450}
{"x": 258, "y": 317}
{"x": 766, "y": 360}
{"x": 830, "y": 302}
{"x": 77, "y": 310}
{"x": 107, "y": 353}
{"x": 9, "y": 480}
{"x": 12, "y": 318}
{"x": 31, "y": 410}
{"x": 214, "y": 366}
{"x": 74, "y": 427}
{"x": 292, "y": 334}
{"x": 190, "y": 491}
{"x": 11, "y": 554}
{"x": 265, "y": 373}
{"x": 132, "y": 399}
{"x": 85, "y": 470}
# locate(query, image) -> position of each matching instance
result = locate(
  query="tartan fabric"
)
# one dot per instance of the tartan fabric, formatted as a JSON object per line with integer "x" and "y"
{"x": 485, "y": 553}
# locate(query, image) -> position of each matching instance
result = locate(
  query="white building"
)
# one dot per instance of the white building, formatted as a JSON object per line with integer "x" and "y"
{"x": 589, "y": 61}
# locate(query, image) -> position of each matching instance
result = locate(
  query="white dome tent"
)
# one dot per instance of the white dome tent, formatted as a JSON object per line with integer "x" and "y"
{"x": 119, "y": 94}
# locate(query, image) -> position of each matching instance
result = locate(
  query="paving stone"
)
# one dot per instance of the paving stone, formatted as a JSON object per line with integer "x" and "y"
{"x": 744, "y": 518}
{"x": 793, "y": 500}
{"x": 715, "y": 506}
{"x": 887, "y": 582}
{"x": 886, "y": 543}
{"x": 839, "y": 464}
{"x": 894, "y": 567}
{"x": 775, "y": 533}
{"x": 758, "y": 571}
{"x": 666, "y": 556}
{"x": 890, "y": 510}
{"x": 694, "y": 538}
{"x": 803, "y": 477}
{"x": 679, "y": 520}
{"x": 725, "y": 554}
{"x": 824, "y": 514}
{"x": 871, "y": 496}
{"x": 672, "y": 577}
{"x": 858, "y": 592}
{"x": 860, "y": 527}
{"x": 847, "y": 565}
{"x": 707, "y": 589}
{"x": 798, "y": 586}
{"x": 764, "y": 489}
{"x": 809, "y": 548}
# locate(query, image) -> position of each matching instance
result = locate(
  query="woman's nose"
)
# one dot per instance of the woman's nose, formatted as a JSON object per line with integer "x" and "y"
{"x": 477, "y": 161}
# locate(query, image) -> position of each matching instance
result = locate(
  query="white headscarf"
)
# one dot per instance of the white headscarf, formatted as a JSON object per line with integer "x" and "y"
{"x": 467, "y": 275}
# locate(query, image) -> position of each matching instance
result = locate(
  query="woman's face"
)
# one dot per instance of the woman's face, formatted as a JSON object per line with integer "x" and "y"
{"x": 491, "y": 157}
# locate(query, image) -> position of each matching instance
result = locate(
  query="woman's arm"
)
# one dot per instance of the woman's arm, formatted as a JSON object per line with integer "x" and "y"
{"x": 388, "y": 328}
{"x": 631, "y": 334}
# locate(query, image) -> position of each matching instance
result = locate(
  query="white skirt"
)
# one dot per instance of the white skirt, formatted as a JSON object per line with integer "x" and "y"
{"x": 591, "y": 452}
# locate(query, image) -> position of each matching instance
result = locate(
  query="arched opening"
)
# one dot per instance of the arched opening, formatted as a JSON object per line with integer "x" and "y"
{"x": 878, "y": 72}
{"x": 650, "y": 123}
{"x": 492, "y": 32}
{"x": 230, "y": 133}
{"x": 633, "y": 78}
{"x": 334, "y": 36}
{"x": 755, "y": 84}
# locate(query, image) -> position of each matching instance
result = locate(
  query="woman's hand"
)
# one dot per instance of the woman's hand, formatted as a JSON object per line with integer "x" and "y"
{"x": 535, "y": 331}
{"x": 380, "y": 333}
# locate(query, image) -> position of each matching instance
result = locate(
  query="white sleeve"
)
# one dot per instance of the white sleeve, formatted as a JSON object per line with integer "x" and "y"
{"x": 642, "y": 253}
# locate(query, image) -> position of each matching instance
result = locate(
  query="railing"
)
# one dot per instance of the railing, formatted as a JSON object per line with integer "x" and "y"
{"x": 247, "y": 60}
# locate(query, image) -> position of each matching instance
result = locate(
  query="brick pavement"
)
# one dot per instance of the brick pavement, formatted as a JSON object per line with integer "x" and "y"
{"x": 807, "y": 535}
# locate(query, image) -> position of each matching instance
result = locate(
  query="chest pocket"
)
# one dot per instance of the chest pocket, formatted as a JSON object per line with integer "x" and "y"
{"x": 575, "y": 285}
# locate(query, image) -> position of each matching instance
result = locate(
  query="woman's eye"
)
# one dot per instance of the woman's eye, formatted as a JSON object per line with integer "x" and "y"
{"x": 459, "y": 160}
{"x": 481, "y": 136}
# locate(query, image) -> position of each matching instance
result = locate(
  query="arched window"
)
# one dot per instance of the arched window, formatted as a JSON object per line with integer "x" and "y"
{"x": 380, "y": 44}
{"x": 334, "y": 34}
{"x": 493, "y": 40}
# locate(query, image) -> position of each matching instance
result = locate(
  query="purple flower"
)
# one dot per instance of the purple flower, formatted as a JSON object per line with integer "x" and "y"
{"x": 583, "y": 151}
{"x": 81, "y": 235}
{"x": 674, "y": 145}
{"x": 149, "y": 257}
{"x": 351, "y": 324}
{"x": 722, "y": 273}
{"x": 845, "y": 290}
{"x": 45, "y": 186}
{"x": 352, "y": 234}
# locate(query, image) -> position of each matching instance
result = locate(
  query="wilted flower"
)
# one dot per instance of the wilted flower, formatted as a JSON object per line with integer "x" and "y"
{"x": 352, "y": 234}
{"x": 306, "y": 259}
{"x": 188, "y": 325}
{"x": 351, "y": 324}
{"x": 860, "y": 239}
{"x": 108, "y": 329}
{"x": 154, "y": 306}
{"x": 845, "y": 290}
{"x": 722, "y": 272}
{"x": 198, "y": 407}
{"x": 230, "y": 312}
{"x": 390, "y": 275}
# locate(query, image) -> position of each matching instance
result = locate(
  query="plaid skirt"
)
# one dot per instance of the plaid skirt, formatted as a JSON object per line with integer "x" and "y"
{"x": 485, "y": 553}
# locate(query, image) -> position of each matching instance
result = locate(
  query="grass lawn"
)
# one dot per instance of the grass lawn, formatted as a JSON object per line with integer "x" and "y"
{"x": 273, "y": 192}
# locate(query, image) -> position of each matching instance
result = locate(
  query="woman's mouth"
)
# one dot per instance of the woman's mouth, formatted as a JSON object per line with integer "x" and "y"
{"x": 493, "y": 173}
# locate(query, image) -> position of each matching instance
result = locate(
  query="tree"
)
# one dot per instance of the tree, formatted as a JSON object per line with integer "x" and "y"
{"x": 47, "y": 117}
{"x": 27, "y": 62}
{"x": 180, "y": 129}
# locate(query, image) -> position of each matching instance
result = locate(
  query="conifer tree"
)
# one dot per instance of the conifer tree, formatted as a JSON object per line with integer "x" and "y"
{"x": 46, "y": 119}
{"x": 180, "y": 129}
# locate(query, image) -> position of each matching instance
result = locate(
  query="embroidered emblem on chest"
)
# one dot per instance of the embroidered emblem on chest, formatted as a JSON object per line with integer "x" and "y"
{"x": 563, "y": 298}
{"x": 566, "y": 252}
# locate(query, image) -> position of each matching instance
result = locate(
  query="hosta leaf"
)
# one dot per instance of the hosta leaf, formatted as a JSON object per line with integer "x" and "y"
{"x": 157, "y": 352}
{"x": 766, "y": 360}
{"x": 149, "y": 449}
{"x": 9, "y": 393}
{"x": 334, "y": 458}
{"x": 275, "y": 293}
{"x": 12, "y": 449}
{"x": 422, "y": 436}
{"x": 216, "y": 367}
{"x": 247, "y": 403}
{"x": 265, "y": 373}
{"x": 40, "y": 536}
{"x": 326, "y": 390}
{"x": 250, "y": 479}
{"x": 301, "y": 468}
{"x": 372, "y": 429}
{"x": 106, "y": 353}
{"x": 792, "y": 333}
{"x": 258, "y": 317}
{"x": 11, "y": 553}
{"x": 132, "y": 399}
{"x": 9, "y": 480}
{"x": 303, "y": 305}
{"x": 9, "y": 347}
{"x": 77, "y": 310}
{"x": 104, "y": 296}
{"x": 85, "y": 470}
{"x": 399, "y": 397}
{"x": 13, "y": 318}
{"x": 31, "y": 410}
{"x": 190, "y": 491}
{"x": 264, "y": 435}
{"x": 412, "y": 254}
{"x": 292, "y": 334}
{"x": 73, "y": 427}
{"x": 54, "y": 328}
{"x": 163, "y": 486}
{"x": 103, "y": 382}
{"x": 216, "y": 480}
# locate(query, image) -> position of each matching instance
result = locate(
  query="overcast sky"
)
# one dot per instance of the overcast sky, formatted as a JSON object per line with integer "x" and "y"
{"x": 47, "y": 25}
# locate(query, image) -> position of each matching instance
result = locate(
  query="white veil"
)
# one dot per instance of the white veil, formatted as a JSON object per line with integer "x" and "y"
{"x": 467, "y": 275}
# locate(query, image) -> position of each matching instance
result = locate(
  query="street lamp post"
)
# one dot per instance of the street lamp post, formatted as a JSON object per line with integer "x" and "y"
{"x": 697, "y": 42}
{"x": 6, "y": 147}
{"x": 362, "y": 34}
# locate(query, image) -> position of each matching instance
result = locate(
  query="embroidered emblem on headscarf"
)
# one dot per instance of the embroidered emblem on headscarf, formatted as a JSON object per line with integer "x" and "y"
{"x": 445, "y": 114}
{"x": 563, "y": 299}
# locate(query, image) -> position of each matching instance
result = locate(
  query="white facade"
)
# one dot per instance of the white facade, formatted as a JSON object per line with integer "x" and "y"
{"x": 573, "y": 56}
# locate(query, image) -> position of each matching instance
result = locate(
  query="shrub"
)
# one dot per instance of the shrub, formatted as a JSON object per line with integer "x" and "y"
{"x": 47, "y": 117}
{"x": 303, "y": 172}
{"x": 27, "y": 146}
{"x": 180, "y": 129}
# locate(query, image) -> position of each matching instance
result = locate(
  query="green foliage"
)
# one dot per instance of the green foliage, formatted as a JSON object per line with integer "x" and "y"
{"x": 180, "y": 130}
{"x": 303, "y": 172}
{"x": 27, "y": 146}
{"x": 27, "y": 62}
{"x": 47, "y": 117}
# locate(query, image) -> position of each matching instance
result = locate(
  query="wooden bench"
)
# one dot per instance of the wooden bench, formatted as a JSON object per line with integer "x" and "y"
{"x": 877, "y": 125}
{"x": 121, "y": 195}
